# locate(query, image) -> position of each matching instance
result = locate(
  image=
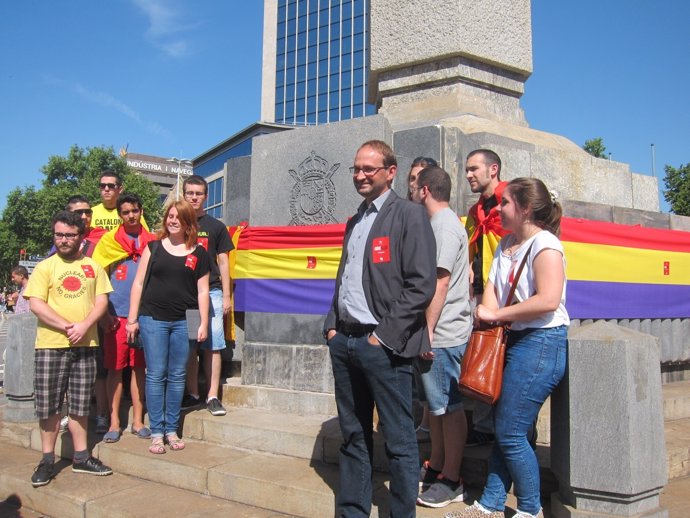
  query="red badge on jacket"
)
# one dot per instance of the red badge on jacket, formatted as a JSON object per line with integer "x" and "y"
{"x": 121, "y": 272}
{"x": 190, "y": 262}
{"x": 380, "y": 250}
{"x": 88, "y": 271}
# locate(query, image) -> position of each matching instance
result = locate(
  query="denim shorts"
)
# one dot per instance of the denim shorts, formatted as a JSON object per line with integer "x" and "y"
{"x": 216, "y": 324}
{"x": 440, "y": 379}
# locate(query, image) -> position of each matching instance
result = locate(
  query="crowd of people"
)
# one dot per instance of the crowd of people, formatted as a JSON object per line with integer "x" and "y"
{"x": 411, "y": 284}
{"x": 152, "y": 300}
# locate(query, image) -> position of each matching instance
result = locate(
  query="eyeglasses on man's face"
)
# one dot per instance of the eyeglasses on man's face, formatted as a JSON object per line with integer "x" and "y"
{"x": 367, "y": 171}
{"x": 194, "y": 194}
{"x": 109, "y": 185}
{"x": 65, "y": 235}
{"x": 81, "y": 212}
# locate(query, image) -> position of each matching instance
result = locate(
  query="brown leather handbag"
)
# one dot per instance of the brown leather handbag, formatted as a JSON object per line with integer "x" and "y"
{"x": 481, "y": 375}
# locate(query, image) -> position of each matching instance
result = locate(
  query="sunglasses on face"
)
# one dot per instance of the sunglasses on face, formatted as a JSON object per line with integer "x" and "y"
{"x": 83, "y": 211}
{"x": 110, "y": 186}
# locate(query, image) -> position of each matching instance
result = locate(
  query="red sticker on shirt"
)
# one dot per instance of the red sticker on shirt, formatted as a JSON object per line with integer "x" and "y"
{"x": 203, "y": 241}
{"x": 311, "y": 262}
{"x": 380, "y": 250}
{"x": 88, "y": 271}
{"x": 190, "y": 262}
{"x": 121, "y": 272}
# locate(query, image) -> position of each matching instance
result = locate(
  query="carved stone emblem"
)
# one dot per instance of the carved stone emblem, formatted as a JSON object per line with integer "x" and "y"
{"x": 312, "y": 198}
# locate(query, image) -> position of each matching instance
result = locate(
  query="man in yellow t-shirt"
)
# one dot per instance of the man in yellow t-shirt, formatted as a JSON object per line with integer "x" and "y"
{"x": 68, "y": 293}
{"x": 104, "y": 215}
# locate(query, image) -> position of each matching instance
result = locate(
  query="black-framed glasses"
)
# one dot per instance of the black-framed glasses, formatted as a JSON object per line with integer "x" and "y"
{"x": 108, "y": 185}
{"x": 65, "y": 235}
{"x": 83, "y": 211}
{"x": 367, "y": 171}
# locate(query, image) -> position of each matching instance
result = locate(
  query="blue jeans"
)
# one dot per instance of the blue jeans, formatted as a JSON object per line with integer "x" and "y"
{"x": 216, "y": 324}
{"x": 364, "y": 375}
{"x": 440, "y": 379}
{"x": 166, "y": 347}
{"x": 535, "y": 364}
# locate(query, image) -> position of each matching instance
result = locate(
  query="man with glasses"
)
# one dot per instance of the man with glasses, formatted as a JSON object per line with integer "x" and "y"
{"x": 214, "y": 237}
{"x": 68, "y": 293}
{"x": 374, "y": 330}
{"x": 80, "y": 205}
{"x": 105, "y": 213}
{"x": 119, "y": 252}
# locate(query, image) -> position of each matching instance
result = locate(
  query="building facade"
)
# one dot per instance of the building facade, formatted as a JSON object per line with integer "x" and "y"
{"x": 315, "y": 61}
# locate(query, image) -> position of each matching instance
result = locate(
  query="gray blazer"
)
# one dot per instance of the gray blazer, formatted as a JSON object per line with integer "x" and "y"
{"x": 398, "y": 288}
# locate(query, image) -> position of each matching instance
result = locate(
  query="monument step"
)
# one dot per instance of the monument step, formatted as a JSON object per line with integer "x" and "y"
{"x": 72, "y": 495}
{"x": 676, "y": 400}
{"x": 677, "y": 434}
{"x": 316, "y": 438}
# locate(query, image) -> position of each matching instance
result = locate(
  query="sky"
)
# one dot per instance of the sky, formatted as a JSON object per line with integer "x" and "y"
{"x": 176, "y": 77}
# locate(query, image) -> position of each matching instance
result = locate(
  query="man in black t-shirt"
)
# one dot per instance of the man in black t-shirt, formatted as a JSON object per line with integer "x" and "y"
{"x": 214, "y": 237}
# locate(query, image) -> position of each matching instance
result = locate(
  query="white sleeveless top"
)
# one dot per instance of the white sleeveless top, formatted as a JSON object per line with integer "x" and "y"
{"x": 504, "y": 267}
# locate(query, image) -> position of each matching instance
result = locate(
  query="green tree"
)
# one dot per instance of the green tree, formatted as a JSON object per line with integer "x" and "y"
{"x": 677, "y": 192}
{"x": 25, "y": 222}
{"x": 595, "y": 147}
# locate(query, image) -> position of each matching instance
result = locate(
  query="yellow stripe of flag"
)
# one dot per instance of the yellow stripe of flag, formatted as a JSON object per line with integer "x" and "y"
{"x": 288, "y": 263}
{"x": 606, "y": 263}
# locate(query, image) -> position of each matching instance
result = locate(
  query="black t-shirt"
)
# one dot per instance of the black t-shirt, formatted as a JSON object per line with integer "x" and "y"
{"x": 171, "y": 288}
{"x": 215, "y": 239}
{"x": 478, "y": 284}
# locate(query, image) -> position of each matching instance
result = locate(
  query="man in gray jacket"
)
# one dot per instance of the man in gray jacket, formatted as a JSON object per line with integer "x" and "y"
{"x": 375, "y": 328}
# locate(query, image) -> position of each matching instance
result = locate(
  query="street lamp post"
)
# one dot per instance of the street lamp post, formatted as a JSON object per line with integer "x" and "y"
{"x": 180, "y": 162}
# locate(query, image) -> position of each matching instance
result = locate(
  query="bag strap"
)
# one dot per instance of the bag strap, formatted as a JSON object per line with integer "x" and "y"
{"x": 153, "y": 246}
{"x": 517, "y": 276}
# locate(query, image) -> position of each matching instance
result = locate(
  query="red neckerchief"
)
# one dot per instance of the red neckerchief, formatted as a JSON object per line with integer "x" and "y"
{"x": 491, "y": 222}
{"x": 128, "y": 245}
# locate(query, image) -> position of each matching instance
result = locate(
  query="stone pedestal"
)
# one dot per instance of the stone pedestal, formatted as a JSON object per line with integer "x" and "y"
{"x": 19, "y": 367}
{"x": 607, "y": 433}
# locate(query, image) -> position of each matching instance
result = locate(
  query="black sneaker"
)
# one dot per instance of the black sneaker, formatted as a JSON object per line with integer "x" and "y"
{"x": 92, "y": 466}
{"x": 427, "y": 476}
{"x": 43, "y": 474}
{"x": 442, "y": 493}
{"x": 215, "y": 407}
{"x": 190, "y": 401}
{"x": 478, "y": 439}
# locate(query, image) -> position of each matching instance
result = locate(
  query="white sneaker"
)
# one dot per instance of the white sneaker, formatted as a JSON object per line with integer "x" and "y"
{"x": 523, "y": 514}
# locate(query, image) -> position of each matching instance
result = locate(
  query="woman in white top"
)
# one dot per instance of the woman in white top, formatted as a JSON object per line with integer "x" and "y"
{"x": 537, "y": 341}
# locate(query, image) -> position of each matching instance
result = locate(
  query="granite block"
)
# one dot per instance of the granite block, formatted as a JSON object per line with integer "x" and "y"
{"x": 607, "y": 437}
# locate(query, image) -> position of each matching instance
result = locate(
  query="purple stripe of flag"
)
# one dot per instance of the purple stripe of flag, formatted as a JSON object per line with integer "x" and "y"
{"x": 589, "y": 299}
{"x": 300, "y": 296}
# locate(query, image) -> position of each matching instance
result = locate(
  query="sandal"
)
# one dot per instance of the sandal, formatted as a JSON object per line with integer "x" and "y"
{"x": 157, "y": 446}
{"x": 175, "y": 443}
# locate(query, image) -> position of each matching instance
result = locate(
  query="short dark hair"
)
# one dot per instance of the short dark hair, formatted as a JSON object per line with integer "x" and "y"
{"x": 437, "y": 181}
{"x": 423, "y": 161}
{"x": 384, "y": 149}
{"x": 77, "y": 198}
{"x": 111, "y": 173}
{"x": 71, "y": 219}
{"x": 195, "y": 179}
{"x": 490, "y": 158}
{"x": 20, "y": 270}
{"x": 128, "y": 197}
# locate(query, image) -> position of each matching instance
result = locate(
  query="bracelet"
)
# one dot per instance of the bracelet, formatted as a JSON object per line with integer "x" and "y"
{"x": 132, "y": 322}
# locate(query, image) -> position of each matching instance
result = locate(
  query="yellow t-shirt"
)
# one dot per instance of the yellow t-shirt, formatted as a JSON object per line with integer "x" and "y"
{"x": 108, "y": 218}
{"x": 70, "y": 289}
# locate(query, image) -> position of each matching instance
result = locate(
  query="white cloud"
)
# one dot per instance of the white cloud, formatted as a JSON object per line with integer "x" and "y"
{"x": 166, "y": 26}
{"x": 108, "y": 101}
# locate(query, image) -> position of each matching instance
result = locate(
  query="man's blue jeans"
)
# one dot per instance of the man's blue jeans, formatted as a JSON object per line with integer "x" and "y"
{"x": 364, "y": 375}
{"x": 166, "y": 347}
{"x": 535, "y": 364}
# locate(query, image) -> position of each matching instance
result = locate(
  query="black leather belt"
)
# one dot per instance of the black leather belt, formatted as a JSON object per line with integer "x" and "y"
{"x": 355, "y": 329}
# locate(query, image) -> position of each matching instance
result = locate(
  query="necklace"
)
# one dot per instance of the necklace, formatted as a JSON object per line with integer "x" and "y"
{"x": 512, "y": 249}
